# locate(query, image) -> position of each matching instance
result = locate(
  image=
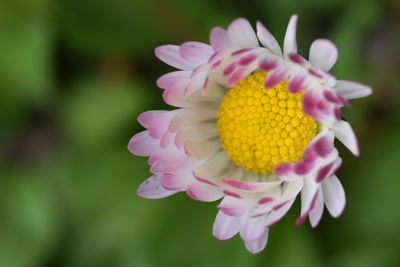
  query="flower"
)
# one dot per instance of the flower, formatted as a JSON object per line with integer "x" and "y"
{"x": 255, "y": 126}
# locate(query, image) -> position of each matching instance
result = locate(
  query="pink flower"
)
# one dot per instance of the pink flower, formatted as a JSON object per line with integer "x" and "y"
{"x": 255, "y": 126}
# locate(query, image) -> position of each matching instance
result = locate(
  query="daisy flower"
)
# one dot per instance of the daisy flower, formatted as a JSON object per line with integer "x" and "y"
{"x": 254, "y": 126}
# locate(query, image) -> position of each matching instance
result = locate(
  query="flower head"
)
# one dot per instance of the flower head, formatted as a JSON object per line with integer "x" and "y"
{"x": 255, "y": 126}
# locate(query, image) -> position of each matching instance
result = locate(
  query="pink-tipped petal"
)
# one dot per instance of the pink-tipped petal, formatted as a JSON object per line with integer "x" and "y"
{"x": 152, "y": 188}
{"x": 286, "y": 172}
{"x": 346, "y": 135}
{"x": 296, "y": 58}
{"x": 247, "y": 59}
{"x": 257, "y": 245}
{"x": 267, "y": 64}
{"x": 352, "y": 90}
{"x": 275, "y": 77}
{"x": 315, "y": 214}
{"x": 334, "y": 196}
{"x": 324, "y": 145}
{"x": 168, "y": 80}
{"x": 251, "y": 186}
{"x": 267, "y": 39}
{"x": 239, "y": 74}
{"x": 309, "y": 194}
{"x": 225, "y": 226}
{"x": 143, "y": 145}
{"x": 277, "y": 213}
{"x": 297, "y": 83}
{"x": 219, "y": 39}
{"x": 265, "y": 200}
{"x": 242, "y": 34}
{"x": 290, "y": 44}
{"x": 170, "y": 55}
{"x": 323, "y": 54}
{"x": 230, "y": 68}
{"x": 203, "y": 192}
{"x": 195, "y": 52}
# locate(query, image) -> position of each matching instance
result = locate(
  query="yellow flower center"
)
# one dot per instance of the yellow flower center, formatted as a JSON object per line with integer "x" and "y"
{"x": 261, "y": 128}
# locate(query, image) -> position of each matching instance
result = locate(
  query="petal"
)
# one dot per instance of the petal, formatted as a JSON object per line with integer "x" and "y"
{"x": 175, "y": 95}
{"x": 241, "y": 73}
{"x": 309, "y": 194}
{"x": 252, "y": 228}
{"x": 203, "y": 192}
{"x": 352, "y": 90}
{"x": 173, "y": 160}
{"x": 214, "y": 167}
{"x": 176, "y": 182}
{"x": 159, "y": 124}
{"x": 297, "y": 83}
{"x": 142, "y": 144}
{"x": 290, "y": 44}
{"x": 251, "y": 186}
{"x": 275, "y": 77}
{"x": 201, "y": 149}
{"x": 195, "y": 52}
{"x": 346, "y": 135}
{"x": 225, "y": 226}
{"x": 168, "y": 80}
{"x": 242, "y": 34}
{"x": 315, "y": 214}
{"x": 170, "y": 55}
{"x": 267, "y": 64}
{"x": 267, "y": 39}
{"x": 152, "y": 188}
{"x": 323, "y": 54}
{"x": 257, "y": 245}
{"x": 147, "y": 117}
{"x": 191, "y": 117}
{"x": 219, "y": 39}
{"x": 276, "y": 214}
{"x": 334, "y": 196}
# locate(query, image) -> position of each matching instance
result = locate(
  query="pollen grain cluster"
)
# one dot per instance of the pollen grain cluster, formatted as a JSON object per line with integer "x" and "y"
{"x": 261, "y": 128}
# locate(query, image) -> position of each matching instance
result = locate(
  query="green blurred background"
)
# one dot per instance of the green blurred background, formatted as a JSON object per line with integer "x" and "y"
{"x": 75, "y": 74}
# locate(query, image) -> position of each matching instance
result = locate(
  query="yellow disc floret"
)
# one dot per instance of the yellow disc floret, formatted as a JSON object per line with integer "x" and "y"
{"x": 261, "y": 128}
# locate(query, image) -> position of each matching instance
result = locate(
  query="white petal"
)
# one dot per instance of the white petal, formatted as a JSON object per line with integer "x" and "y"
{"x": 225, "y": 226}
{"x": 290, "y": 44}
{"x": 152, "y": 188}
{"x": 257, "y": 245}
{"x": 346, "y": 135}
{"x": 252, "y": 228}
{"x": 214, "y": 167}
{"x": 267, "y": 39}
{"x": 170, "y": 55}
{"x": 352, "y": 90}
{"x": 201, "y": 149}
{"x": 308, "y": 197}
{"x": 315, "y": 214}
{"x": 323, "y": 54}
{"x": 242, "y": 34}
{"x": 334, "y": 196}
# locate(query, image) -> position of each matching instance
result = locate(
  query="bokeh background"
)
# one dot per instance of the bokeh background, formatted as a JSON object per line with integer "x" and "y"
{"x": 75, "y": 74}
